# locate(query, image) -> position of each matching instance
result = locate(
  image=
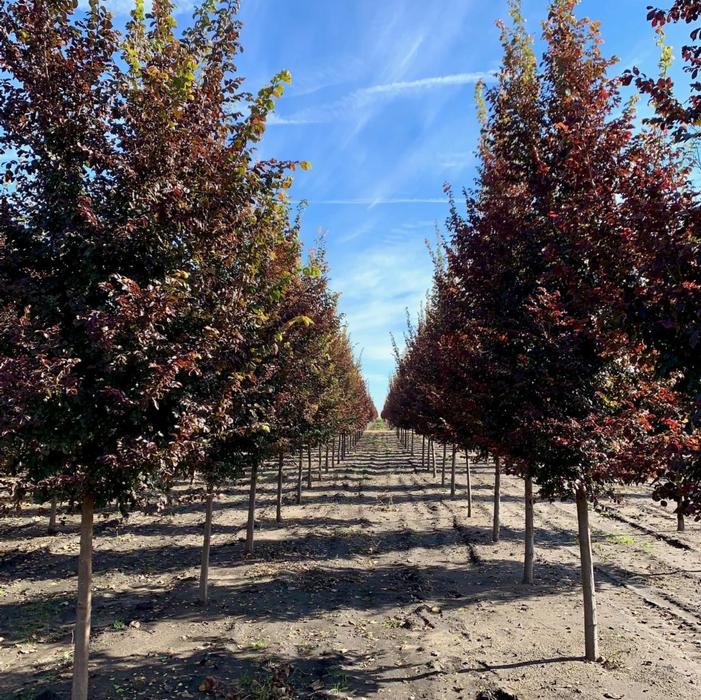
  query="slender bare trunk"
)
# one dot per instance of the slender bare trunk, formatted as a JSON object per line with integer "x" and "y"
{"x": 412, "y": 443}
{"x": 591, "y": 640}
{"x": 452, "y": 473}
{"x": 497, "y": 500}
{"x": 333, "y": 452}
{"x": 319, "y": 461}
{"x": 469, "y": 484}
{"x": 326, "y": 464}
{"x": 432, "y": 447}
{"x": 278, "y": 503}
{"x": 309, "y": 466}
{"x": 250, "y": 526}
{"x": 680, "y": 517}
{"x": 529, "y": 537}
{"x": 81, "y": 636}
{"x": 204, "y": 569}
{"x": 52, "y": 516}
{"x": 423, "y": 451}
{"x": 299, "y": 475}
{"x": 445, "y": 447}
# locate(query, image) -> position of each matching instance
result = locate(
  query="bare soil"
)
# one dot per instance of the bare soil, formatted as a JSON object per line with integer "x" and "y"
{"x": 377, "y": 585}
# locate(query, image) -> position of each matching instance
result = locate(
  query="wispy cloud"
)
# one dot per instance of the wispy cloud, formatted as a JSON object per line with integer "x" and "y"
{"x": 346, "y": 106}
{"x": 277, "y": 120}
{"x": 378, "y": 283}
{"x": 457, "y": 161}
{"x": 403, "y": 86}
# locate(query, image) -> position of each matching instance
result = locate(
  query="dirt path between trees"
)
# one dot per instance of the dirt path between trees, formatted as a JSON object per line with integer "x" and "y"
{"x": 377, "y": 585}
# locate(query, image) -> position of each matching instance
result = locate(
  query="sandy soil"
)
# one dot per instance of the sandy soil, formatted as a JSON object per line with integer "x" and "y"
{"x": 377, "y": 585}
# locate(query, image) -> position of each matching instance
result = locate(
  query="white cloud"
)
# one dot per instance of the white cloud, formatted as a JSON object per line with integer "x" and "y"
{"x": 438, "y": 81}
{"x": 377, "y": 286}
{"x": 347, "y": 106}
{"x": 457, "y": 161}
{"x": 276, "y": 120}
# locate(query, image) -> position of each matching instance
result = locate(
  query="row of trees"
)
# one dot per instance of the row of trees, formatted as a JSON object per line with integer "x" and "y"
{"x": 562, "y": 332}
{"x": 156, "y": 318}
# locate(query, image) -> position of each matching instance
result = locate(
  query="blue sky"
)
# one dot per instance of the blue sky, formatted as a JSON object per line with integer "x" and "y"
{"x": 382, "y": 105}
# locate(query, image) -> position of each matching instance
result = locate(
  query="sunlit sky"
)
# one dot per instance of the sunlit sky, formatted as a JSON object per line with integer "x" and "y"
{"x": 382, "y": 104}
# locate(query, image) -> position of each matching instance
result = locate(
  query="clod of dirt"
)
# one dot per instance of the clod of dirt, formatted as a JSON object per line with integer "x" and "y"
{"x": 496, "y": 694}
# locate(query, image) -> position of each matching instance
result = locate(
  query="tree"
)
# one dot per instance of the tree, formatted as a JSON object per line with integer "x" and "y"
{"x": 544, "y": 364}
{"x": 133, "y": 218}
{"x": 592, "y": 381}
{"x": 672, "y": 114}
{"x": 666, "y": 298}
{"x": 495, "y": 258}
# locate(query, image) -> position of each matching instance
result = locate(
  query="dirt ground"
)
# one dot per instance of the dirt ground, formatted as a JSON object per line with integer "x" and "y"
{"x": 377, "y": 585}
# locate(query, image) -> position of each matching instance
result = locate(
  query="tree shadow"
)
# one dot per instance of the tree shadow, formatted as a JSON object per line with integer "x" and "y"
{"x": 289, "y": 597}
{"x": 218, "y": 671}
{"x": 342, "y": 539}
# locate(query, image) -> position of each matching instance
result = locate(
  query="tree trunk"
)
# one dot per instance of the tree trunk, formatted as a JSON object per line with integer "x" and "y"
{"x": 423, "y": 451}
{"x": 81, "y": 636}
{"x": 52, "y": 516}
{"x": 299, "y": 475}
{"x": 333, "y": 452}
{"x": 591, "y": 640}
{"x": 432, "y": 448}
{"x": 319, "y": 461}
{"x": 204, "y": 569}
{"x": 452, "y": 474}
{"x": 445, "y": 447}
{"x": 412, "y": 443}
{"x": 680, "y": 517}
{"x": 469, "y": 484}
{"x": 529, "y": 538}
{"x": 309, "y": 466}
{"x": 278, "y": 503}
{"x": 326, "y": 464}
{"x": 497, "y": 500}
{"x": 250, "y": 526}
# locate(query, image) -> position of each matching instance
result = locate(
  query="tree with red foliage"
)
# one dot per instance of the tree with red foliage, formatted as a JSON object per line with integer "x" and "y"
{"x": 494, "y": 257}
{"x": 672, "y": 114}
{"x": 594, "y": 392}
{"x": 136, "y": 239}
{"x": 548, "y": 366}
{"x": 666, "y": 300}
{"x": 313, "y": 392}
